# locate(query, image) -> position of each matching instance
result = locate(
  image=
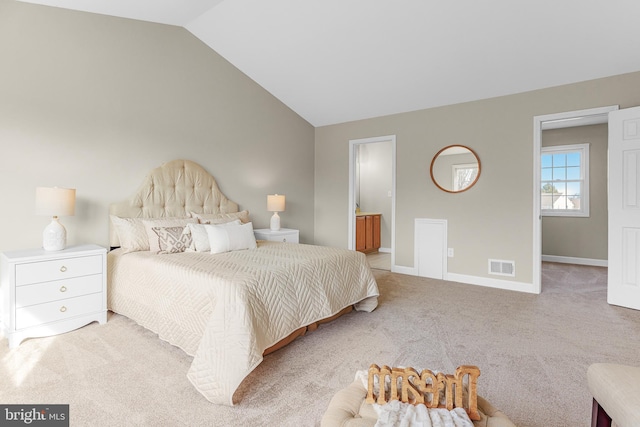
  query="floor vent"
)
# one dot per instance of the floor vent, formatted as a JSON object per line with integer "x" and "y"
{"x": 502, "y": 267}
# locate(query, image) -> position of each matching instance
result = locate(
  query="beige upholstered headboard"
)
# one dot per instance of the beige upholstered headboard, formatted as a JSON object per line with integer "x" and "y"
{"x": 172, "y": 190}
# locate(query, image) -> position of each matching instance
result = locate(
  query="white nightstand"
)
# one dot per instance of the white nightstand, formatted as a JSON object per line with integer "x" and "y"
{"x": 47, "y": 293}
{"x": 288, "y": 235}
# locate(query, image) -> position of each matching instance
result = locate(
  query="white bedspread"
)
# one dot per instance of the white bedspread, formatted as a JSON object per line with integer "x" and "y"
{"x": 226, "y": 309}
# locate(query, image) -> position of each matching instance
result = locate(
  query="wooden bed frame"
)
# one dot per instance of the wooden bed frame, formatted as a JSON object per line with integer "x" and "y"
{"x": 303, "y": 331}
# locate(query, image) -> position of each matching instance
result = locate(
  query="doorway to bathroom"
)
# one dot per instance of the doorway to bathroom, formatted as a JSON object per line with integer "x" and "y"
{"x": 372, "y": 178}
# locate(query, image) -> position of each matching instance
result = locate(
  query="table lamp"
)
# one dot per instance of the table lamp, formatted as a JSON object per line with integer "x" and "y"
{"x": 275, "y": 204}
{"x": 55, "y": 202}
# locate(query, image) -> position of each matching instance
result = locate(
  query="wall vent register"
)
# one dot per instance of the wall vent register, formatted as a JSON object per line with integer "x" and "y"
{"x": 502, "y": 267}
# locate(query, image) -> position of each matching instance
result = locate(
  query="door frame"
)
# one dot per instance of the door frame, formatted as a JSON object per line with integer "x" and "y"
{"x": 566, "y": 119}
{"x": 353, "y": 144}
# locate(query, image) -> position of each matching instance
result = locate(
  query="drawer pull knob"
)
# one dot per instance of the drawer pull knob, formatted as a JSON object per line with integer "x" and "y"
{"x": 63, "y": 269}
{"x": 284, "y": 240}
{"x": 63, "y": 289}
{"x": 63, "y": 309}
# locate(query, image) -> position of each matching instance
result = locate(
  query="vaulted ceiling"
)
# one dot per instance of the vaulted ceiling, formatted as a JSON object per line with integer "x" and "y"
{"x": 335, "y": 61}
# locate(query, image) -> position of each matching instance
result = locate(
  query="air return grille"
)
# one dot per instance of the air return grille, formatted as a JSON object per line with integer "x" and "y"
{"x": 502, "y": 267}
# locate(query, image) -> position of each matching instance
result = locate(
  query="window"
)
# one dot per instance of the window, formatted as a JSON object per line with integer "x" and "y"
{"x": 564, "y": 176}
{"x": 463, "y": 175}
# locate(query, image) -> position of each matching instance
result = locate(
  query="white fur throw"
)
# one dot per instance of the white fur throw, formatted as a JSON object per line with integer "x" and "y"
{"x": 399, "y": 414}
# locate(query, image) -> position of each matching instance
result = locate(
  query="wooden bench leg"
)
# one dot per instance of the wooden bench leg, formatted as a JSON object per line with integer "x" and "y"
{"x": 599, "y": 418}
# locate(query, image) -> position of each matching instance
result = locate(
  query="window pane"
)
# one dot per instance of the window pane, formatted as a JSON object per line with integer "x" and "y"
{"x": 559, "y": 160}
{"x": 546, "y": 201}
{"x": 573, "y": 159}
{"x": 561, "y": 187}
{"x": 573, "y": 203}
{"x": 546, "y": 160}
{"x": 559, "y": 173}
{"x": 573, "y": 173}
{"x": 573, "y": 188}
{"x": 547, "y": 187}
{"x": 559, "y": 202}
{"x": 546, "y": 174}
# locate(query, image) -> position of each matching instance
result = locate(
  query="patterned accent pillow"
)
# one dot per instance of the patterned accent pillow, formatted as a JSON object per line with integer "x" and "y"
{"x": 172, "y": 240}
{"x": 149, "y": 223}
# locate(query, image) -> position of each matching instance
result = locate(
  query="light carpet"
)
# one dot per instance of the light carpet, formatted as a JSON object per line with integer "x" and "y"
{"x": 533, "y": 352}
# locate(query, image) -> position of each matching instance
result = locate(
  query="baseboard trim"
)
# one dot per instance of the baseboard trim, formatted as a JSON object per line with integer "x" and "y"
{"x": 488, "y": 282}
{"x": 575, "y": 260}
{"x": 385, "y": 250}
{"x": 410, "y": 271}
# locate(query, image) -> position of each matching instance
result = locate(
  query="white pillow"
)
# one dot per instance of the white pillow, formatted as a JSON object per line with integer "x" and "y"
{"x": 231, "y": 237}
{"x": 131, "y": 233}
{"x": 219, "y": 218}
{"x": 152, "y": 237}
{"x": 200, "y": 237}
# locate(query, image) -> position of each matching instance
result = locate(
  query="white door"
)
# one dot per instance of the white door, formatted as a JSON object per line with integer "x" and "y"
{"x": 624, "y": 208}
{"x": 431, "y": 247}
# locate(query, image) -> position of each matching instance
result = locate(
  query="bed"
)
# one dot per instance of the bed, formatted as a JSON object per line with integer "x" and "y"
{"x": 226, "y": 309}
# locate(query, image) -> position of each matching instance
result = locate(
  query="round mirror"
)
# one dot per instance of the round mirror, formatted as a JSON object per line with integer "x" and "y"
{"x": 455, "y": 168}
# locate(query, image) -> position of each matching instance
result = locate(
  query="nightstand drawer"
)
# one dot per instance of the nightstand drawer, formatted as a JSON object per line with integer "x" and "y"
{"x": 285, "y": 235}
{"x": 57, "y": 310}
{"x": 57, "y": 290}
{"x": 285, "y": 239}
{"x": 45, "y": 271}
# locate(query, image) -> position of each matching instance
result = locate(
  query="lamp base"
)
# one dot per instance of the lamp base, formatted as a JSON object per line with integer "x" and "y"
{"x": 275, "y": 222}
{"x": 54, "y": 236}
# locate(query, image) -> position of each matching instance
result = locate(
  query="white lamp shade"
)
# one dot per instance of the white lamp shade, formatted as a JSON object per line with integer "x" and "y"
{"x": 54, "y": 201}
{"x": 275, "y": 203}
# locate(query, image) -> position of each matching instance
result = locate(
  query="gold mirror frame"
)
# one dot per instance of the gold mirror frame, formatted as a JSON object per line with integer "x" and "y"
{"x": 455, "y": 147}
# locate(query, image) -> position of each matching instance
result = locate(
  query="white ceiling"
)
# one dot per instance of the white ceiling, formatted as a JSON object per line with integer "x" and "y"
{"x": 334, "y": 61}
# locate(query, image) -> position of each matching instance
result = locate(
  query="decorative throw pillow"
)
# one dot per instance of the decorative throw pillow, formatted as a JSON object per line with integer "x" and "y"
{"x": 199, "y": 236}
{"x": 172, "y": 240}
{"x": 131, "y": 233}
{"x": 219, "y": 218}
{"x": 152, "y": 237}
{"x": 231, "y": 237}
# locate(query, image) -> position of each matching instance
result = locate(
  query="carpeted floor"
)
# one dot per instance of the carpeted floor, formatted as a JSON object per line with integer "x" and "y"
{"x": 533, "y": 351}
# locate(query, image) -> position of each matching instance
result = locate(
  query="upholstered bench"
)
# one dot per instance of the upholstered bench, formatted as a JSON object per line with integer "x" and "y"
{"x": 616, "y": 395}
{"x": 349, "y": 409}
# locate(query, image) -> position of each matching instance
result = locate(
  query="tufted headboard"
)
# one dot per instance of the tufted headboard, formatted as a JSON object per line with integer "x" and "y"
{"x": 172, "y": 190}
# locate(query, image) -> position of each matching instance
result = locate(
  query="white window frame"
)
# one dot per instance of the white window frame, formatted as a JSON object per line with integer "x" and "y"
{"x": 583, "y": 149}
{"x": 454, "y": 174}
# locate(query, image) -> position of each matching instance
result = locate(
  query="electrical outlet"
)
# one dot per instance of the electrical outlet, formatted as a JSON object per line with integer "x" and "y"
{"x": 450, "y": 252}
{"x": 389, "y": 193}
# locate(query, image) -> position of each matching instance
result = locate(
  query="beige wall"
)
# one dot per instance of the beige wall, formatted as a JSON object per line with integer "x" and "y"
{"x": 494, "y": 219}
{"x": 95, "y": 102}
{"x": 581, "y": 237}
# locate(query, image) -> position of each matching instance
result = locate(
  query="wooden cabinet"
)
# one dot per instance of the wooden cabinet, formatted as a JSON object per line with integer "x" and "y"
{"x": 368, "y": 232}
{"x": 46, "y": 293}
